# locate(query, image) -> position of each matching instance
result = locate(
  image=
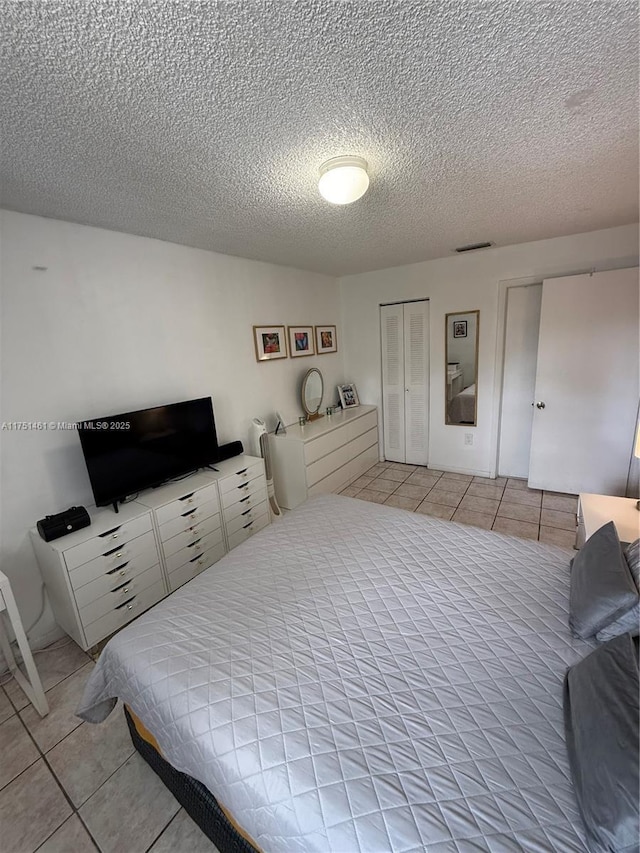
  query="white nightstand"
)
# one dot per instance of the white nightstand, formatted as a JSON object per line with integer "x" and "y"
{"x": 596, "y": 510}
{"x": 31, "y": 685}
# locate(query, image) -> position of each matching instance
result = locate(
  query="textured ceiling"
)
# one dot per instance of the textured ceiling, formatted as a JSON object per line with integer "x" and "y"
{"x": 204, "y": 123}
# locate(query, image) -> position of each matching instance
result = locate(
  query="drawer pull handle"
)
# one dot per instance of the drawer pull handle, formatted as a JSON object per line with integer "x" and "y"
{"x": 113, "y": 552}
{"x": 128, "y": 604}
{"x": 188, "y": 498}
{"x": 243, "y": 486}
{"x": 119, "y": 569}
{"x": 109, "y": 532}
{"x": 242, "y": 471}
{"x": 197, "y": 559}
{"x": 194, "y": 530}
{"x": 246, "y": 512}
{"x": 247, "y": 525}
{"x": 242, "y": 500}
{"x": 194, "y": 544}
{"x": 192, "y": 513}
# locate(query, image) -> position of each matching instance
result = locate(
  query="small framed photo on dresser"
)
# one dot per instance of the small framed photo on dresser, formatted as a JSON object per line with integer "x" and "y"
{"x": 301, "y": 341}
{"x": 348, "y": 396}
{"x": 326, "y": 340}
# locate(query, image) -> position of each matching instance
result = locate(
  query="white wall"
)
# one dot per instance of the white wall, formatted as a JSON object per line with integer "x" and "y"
{"x": 116, "y": 323}
{"x": 463, "y": 283}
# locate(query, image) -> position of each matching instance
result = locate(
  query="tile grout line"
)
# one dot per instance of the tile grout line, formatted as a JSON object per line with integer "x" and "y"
{"x": 164, "y": 829}
{"x": 439, "y": 484}
{"x": 44, "y": 758}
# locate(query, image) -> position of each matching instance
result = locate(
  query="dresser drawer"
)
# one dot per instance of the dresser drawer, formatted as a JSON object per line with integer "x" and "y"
{"x": 192, "y": 518}
{"x": 340, "y": 457}
{"x": 190, "y": 500}
{"x": 363, "y": 424}
{"x": 347, "y": 473}
{"x": 243, "y": 475}
{"x": 126, "y": 590}
{"x": 247, "y": 502}
{"x": 123, "y": 613}
{"x": 325, "y": 444}
{"x": 100, "y": 545}
{"x": 249, "y": 514}
{"x": 193, "y": 567}
{"x": 142, "y": 546}
{"x": 116, "y": 577}
{"x": 248, "y": 530}
{"x": 194, "y": 549}
{"x": 238, "y": 493}
{"x": 202, "y": 528}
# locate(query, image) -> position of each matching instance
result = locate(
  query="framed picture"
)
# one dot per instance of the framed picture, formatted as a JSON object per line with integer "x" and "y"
{"x": 270, "y": 342}
{"x": 326, "y": 340}
{"x": 301, "y": 341}
{"x": 459, "y": 328}
{"x": 348, "y": 396}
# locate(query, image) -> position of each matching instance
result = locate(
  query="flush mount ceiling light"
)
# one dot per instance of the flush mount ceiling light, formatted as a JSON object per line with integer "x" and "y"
{"x": 343, "y": 179}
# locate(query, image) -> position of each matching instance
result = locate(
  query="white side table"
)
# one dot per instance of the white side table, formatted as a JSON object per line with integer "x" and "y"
{"x": 596, "y": 510}
{"x": 32, "y": 685}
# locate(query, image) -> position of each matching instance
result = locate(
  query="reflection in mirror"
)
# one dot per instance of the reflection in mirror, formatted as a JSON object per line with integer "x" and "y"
{"x": 312, "y": 391}
{"x": 461, "y": 368}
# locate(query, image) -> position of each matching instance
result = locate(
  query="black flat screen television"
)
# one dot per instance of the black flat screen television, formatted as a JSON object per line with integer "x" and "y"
{"x": 137, "y": 450}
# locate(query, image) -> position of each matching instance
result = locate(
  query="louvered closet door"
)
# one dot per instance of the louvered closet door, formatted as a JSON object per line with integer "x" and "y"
{"x": 416, "y": 382}
{"x": 393, "y": 393}
{"x": 405, "y": 381}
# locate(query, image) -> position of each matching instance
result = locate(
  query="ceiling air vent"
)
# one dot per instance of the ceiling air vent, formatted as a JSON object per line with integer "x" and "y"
{"x": 472, "y": 247}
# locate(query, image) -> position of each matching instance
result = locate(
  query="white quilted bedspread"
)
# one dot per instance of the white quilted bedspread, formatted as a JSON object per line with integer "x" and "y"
{"x": 360, "y": 678}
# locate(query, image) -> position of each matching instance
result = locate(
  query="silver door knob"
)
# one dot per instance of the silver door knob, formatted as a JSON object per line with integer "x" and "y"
{"x": 540, "y": 405}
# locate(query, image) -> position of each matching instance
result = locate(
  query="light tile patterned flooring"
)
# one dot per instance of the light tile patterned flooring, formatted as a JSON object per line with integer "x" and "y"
{"x": 72, "y": 787}
{"x": 505, "y": 505}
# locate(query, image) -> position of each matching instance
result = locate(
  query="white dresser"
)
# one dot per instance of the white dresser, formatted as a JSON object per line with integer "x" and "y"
{"x": 243, "y": 497}
{"x": 188, "y": 526}
{"x": 324, "y": 455}
{"x": 103, "y": 576}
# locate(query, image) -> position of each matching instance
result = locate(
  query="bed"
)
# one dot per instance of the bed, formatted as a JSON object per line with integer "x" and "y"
{"x": 462, "y": 407}
{"x": 361, "y": 678}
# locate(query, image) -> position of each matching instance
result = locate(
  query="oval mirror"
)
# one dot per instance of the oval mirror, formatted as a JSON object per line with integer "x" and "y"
{"x": 312, "y": 391}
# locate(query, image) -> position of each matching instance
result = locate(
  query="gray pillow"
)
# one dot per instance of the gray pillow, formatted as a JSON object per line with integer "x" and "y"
{"x": 601, "y": 715}
{"x": 601, "y": 588}
{"x": 629, "y": 622}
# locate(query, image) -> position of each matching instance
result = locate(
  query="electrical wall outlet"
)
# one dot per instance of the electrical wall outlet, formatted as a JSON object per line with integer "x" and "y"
{"x": 468, "y": 438}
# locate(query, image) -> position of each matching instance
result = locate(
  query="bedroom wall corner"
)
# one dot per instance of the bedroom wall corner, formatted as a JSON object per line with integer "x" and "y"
{"x": 463, "y": 283}
{"x": 114, "y": 322}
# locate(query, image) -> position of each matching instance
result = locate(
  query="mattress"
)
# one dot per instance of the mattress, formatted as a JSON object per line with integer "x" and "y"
{"x": 462, "y": 408}
{"x": 361, "y": 678}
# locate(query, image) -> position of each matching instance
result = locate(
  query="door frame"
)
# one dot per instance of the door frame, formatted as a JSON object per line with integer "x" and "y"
{"x": 501, "y": 336}
{"x": 504, "y": 286}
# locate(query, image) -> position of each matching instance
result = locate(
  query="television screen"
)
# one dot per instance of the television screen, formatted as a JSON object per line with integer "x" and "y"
{"x": 136, "y": 450}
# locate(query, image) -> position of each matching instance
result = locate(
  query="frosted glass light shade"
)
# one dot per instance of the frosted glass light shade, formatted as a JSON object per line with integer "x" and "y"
{"x": 343, "y": 179}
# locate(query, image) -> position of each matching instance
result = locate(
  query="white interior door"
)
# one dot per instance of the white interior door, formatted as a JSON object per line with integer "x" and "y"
{"x": 416, "y": 382}
{"x": 393, "y": 393}
{"x": 519, "y": 380}
{"x": 587, "y": 380}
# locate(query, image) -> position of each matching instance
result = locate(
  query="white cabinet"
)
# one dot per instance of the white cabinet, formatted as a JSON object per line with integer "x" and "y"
{"x": 244, "y": 507}
{"x": 103, "y": 576}
{"x": 324, "y": 455}
{"x": 188, "y": 526}
{"x": 596, "y": 510}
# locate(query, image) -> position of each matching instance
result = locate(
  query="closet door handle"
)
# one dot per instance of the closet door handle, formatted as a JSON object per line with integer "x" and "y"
{"x": 540, "y": 405}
